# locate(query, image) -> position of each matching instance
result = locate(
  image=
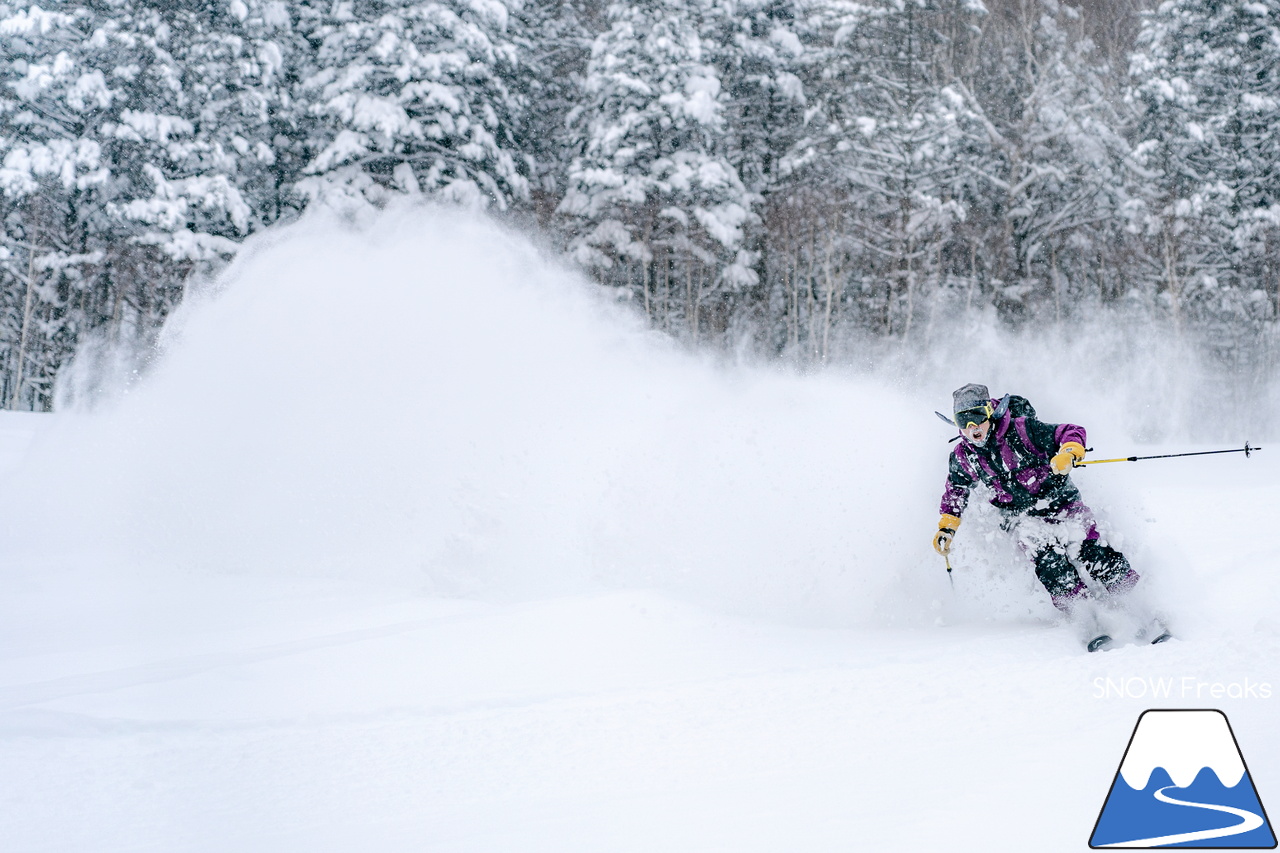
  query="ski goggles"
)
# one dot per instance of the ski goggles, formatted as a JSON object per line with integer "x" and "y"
{"x": 974, "y": 416}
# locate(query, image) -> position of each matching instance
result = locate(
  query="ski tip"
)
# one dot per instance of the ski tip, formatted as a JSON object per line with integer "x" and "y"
{"x": 1100, "y": 643}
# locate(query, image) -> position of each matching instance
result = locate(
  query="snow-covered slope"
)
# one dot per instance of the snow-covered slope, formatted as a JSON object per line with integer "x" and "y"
{"x": 367, "y": 565}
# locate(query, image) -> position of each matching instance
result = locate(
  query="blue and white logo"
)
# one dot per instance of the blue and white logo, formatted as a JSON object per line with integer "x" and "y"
{"x": 1183, "y": 783}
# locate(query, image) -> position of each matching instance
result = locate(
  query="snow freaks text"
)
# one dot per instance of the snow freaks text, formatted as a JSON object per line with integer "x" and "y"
{"x": 1186, "y": 687}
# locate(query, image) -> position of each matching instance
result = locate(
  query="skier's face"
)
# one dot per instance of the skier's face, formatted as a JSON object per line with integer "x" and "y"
{"x": 977, "y": 433}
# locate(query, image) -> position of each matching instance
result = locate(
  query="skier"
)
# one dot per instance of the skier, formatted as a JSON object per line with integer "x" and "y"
{"x": 1026, "y": 463}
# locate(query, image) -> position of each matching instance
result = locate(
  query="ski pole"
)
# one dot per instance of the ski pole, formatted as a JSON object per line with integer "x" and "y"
{"x": 950, "y": 577}
{"x": 1247, "y": 450}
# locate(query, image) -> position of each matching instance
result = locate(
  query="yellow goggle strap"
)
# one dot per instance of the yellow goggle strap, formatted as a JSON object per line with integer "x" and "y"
{"x": 986, "y": 410}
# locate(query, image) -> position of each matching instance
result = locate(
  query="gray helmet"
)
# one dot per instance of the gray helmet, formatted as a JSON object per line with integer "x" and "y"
{"x": 973, "y": 402}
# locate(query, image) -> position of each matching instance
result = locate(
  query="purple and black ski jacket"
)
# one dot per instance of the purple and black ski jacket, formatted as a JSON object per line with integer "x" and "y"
{"x": 1014, "y": 464}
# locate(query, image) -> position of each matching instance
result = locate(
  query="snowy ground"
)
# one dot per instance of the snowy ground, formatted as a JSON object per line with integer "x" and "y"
{"x": 736, "y": 644}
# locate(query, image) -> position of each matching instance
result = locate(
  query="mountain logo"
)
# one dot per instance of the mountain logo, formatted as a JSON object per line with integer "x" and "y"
{"x": 1183, "y": 783}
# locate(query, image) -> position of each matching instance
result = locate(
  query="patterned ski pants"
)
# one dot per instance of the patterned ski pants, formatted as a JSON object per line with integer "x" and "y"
{"x": 1062, "y": 543}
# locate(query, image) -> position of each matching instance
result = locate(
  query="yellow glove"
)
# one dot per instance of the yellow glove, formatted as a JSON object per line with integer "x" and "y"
{"x": 1069, "y": 455}
{"x": 947, "y": 526}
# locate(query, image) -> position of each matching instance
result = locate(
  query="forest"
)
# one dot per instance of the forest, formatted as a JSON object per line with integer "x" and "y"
{"x": 811, "y": 181}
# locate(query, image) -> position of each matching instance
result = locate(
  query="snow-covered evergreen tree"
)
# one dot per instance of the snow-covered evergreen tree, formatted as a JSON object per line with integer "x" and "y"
{"x": 1207, "y": 78}
{"x": 891, "y": 138}
{"x": 415, "y": 97}
{"x": 758, "y": 52}
{"x": 653, "y": 193}
{"x": 800, "y": 170}
{"x": 1047, "y": 155}
{"x": 135, "y": 140}
{"x": 240, "y": 60}
{"x": 554, "y": 40}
